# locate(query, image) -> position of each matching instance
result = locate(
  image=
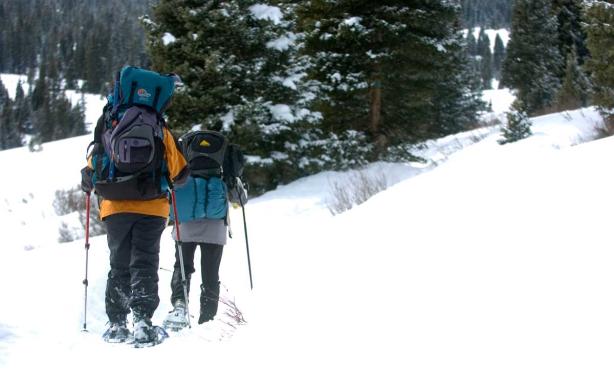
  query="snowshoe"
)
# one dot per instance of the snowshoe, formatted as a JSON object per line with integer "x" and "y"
{"x": 177, "y": 319}
{"x": 146, "y": 334}
{"x": 117, "y": 333}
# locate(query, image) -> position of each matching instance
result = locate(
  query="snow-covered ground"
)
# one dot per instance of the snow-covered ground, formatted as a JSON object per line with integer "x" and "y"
{"x": 487, "y": 256}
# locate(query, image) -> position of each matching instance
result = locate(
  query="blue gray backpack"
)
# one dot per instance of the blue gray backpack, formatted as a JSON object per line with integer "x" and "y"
{"x": 214, "y": 165}
{"x": 128, "y": 146}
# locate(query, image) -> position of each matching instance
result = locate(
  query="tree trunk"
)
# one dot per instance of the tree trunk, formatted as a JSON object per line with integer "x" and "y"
{"x": 375, "y": 117}
{"x": 375, "y": 108}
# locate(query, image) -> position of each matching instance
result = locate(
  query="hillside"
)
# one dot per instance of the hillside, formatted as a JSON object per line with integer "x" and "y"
{"x": 497, "y": 257}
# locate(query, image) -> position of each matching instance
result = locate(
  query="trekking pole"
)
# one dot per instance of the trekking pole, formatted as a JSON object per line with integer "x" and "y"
{"x": 87, "y": 249}
{"x": 179, "y": 249}
{"x": 249, "y": 263}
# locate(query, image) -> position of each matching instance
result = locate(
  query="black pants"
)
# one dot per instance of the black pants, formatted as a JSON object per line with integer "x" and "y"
{"x": 210, "y": 259}
{"x": 134, "y": 242}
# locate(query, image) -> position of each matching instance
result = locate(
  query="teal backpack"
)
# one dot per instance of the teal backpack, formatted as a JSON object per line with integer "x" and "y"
{"x": 128, "y": 153}
{"x": 144, "y": 88}
{"x": 214, "y": 164}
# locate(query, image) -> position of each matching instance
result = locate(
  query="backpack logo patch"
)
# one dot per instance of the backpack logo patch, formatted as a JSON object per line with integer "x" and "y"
{"x": 143, "y": 94}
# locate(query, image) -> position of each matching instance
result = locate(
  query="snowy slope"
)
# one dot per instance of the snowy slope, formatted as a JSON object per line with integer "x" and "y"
{"x": 491, "y": 257}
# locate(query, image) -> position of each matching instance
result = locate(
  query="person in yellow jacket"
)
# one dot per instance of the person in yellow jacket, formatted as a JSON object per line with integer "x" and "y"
{"x": 134, "y": 229}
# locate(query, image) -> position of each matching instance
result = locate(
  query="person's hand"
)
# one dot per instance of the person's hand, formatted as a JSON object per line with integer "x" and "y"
{"x": 86, "y": 180}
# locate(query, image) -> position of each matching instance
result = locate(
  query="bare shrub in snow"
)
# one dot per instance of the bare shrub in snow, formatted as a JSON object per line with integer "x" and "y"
{"x": 66, "y": 234}
{"x": 356, "y": 189}
{"x": 490, "y": 120}
{"x": 232, "y": 312}
{"x": 73, "y": 200}
{"x": 68, "y": 201}
{"x": 605, "y": 129}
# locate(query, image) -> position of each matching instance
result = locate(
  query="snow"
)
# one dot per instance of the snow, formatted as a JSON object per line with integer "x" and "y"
{"x": 227, "y": 121}
{"x": 486, "y": 256}
{"x": 168, "y": 39}
{"x": 501, "y": 99}
{"x": 353, "y": 21}
{"x": 282, "y": 112}
{"x": 263, "y": 11}
{"x": 282, "y": 43}
{"x": 10, "y": 82}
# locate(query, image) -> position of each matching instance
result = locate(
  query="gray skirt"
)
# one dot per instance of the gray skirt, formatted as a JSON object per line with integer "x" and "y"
{"x": 203, "y": 230}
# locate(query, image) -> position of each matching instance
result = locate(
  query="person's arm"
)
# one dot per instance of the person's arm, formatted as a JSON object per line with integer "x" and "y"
{"x": 176, "y": 163}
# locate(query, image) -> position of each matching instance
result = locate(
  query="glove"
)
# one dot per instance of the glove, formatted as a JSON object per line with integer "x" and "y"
{"x": 237, "y": 194}
{"x": 86, "y": 180}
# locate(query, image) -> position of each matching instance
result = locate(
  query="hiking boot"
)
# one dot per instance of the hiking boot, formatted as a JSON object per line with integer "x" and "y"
{"x": 145, "y": 333}
{"x": 117, "y": 332}
{"x": 177, "y": 319}
{"x": 208, "y": 303}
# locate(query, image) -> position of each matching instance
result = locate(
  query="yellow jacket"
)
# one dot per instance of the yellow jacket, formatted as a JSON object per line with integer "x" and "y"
{"x": 177, "y": 167}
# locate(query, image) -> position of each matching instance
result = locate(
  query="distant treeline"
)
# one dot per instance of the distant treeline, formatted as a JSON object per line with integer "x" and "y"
{"x": 306, "y": 86}
{"x": 75, "y": 39}
{"x": 90, "y": 39}
{"x": 487, "y": 13}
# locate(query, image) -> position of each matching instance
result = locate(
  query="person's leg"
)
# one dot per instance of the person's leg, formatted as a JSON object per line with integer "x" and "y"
{"x": 145, "y": 259}
{"x": 177, "y": 318}
{"x": 187, "y": 250}
{"x": 117, "y": 294}
{"x": 211, "y": 257}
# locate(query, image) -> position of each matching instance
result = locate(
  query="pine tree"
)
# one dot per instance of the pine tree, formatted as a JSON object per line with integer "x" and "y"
{"x": 600, "y": 42}
{"x": 43, "y": 127}
{"x": 371, "y": 63}
{"x": 53, "y": 116}
{"x": 22, "y": 111}
{"x": 518, "y": 125}
{"x": 486, "y": 13}
{"x": 498, "y": 57}
{"x": 97, "y": 57}
{"x": 69, "y": 120}
{"x": 535, "y": 75}
{"x": 234, "y": 59}
{"x": 87, "y": 39}
{"x": 458, "y": 95}
{"x": 41, "y": 89}
{"x": 574, "y": 91}
{"x": 485, "y": 57}
{"x": 571, "y": 35}
{"x": 486, "y": 70}
{"x": 4, "y": 45}
{"x": 483, "y": 43}
{"x": 472, "y": 44}
{"x": 7, "y": 130}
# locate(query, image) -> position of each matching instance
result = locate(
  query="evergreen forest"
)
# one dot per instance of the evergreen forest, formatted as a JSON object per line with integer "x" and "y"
{"x": 311, "y": 85}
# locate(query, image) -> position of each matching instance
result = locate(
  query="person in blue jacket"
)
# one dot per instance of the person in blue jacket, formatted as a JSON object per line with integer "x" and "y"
{"x": 202, "y": 205}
